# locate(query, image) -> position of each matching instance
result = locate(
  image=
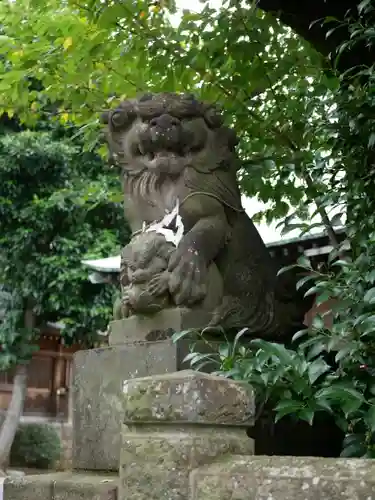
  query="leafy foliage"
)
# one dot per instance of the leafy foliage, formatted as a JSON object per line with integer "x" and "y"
{"x": 88, "y": 55}
{"x": 307, "y": 144}
{"x": 329, "y": 369}
{"x": 36, "y": 446}
{"x": 47, "y": 227}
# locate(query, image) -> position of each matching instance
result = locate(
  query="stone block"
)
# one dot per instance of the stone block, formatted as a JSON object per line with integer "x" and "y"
{"x": 98, "y": 376}
{"x": 284, "y": 478}
{"x": 156, "y": 462}
{"x": 175, "y": 422}
{"x": 160, "y": 326}
{"x": 61, "y": 486}
{"x": 188, "y": 397}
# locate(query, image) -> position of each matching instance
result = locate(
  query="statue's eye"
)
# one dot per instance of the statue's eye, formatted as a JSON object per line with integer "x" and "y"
{"x": 119, "y": 119}
{"x": 122, "y": 118}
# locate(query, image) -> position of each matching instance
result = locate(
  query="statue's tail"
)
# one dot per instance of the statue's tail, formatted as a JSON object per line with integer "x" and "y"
{"x": 292, "y": 305}
{"x": 258, "y": 319}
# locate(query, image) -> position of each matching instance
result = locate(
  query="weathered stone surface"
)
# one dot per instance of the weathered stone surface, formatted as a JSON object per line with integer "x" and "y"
{"x": 173, "y": 423}
{"x": 61, "y": 486}
{"x": 284, "y": 478}
{"x": 144, "y": 274}
{"x": 156, "y": 461}
{"x": 180, "y": 172}
{"x": 188, "y": 396}
{"x": 159, "y": 326}
{"x": 98, "y": 376}
{"x": 15, "y": 473}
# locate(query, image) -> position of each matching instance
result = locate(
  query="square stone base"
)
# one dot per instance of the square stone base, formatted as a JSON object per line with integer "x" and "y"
{"x": 98, "y": 376}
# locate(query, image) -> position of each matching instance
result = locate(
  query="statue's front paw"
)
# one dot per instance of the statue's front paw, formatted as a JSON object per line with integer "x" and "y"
{"x": 158, "y": 284}
{"x": 125, "y": 297}
{"x": 188, "y": 275}
{"x": 125, "y": 303}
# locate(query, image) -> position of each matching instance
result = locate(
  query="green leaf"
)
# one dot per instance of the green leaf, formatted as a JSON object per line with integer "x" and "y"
{"x": 304, "y": 262}
{"x": 324, "y": 405}
{"x": 370, "y": 418}
{"x": 341, "y": 263}
{"x": 331, "y": 31}
{"x": 307, "y": 415}
{"x": 353, "y": 446}
{"x": 348, "y": 398}
{"x": 371, "y": 141}
{"x": 237, "y": 338}
{"x": 312, "y": 291}
{"x": 199, "y": 367}
{"x": 300, "y": 334}
{"x": 286, "y": 269}
{"x": 225, "y": 350}
{"x": 345, "y": 351}
{"x": 184, "y": 333}
{"x": 371, "y": 276}
{"x": 287, "y": 407}
{"x": 317, "y": 368}
{"x": 277, "y": 350}
{"x": 304, "y": 280}
{"x": 323, "y": 297}
{"x": 363, "y": 4}
{"x": 196, "y": 358}
{"x": 369, "y": 297}
{"x": 318, "y": 322}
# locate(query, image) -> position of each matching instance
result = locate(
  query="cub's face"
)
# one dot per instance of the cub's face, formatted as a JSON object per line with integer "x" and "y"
{"x": 145, "y": 256}
{"x": 162, "y": 133}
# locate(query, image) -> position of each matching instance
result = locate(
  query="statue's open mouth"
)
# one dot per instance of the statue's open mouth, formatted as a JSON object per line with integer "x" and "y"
{"x": 158, "y": 159}
{"x": 157, "y": 145}
{"x": 162, "y": 154}
{"x": 151, "y": 152}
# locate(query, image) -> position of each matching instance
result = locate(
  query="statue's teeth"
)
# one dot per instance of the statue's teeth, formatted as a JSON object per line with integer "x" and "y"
{"x": 141, "y": 149}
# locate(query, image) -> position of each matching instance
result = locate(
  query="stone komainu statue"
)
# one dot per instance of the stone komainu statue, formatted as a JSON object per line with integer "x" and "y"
{"x": 175, "y": 149}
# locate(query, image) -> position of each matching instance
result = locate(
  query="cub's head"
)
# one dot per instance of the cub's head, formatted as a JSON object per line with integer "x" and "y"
{"x": 164, "y": 133}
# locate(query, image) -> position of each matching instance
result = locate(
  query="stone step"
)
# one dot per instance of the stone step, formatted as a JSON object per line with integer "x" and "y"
{"x": 284, "y": 478}
{"x": 60, "y": 486}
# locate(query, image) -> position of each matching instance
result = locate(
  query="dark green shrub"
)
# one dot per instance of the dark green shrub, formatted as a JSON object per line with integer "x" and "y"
{"x": 35, "y": 446}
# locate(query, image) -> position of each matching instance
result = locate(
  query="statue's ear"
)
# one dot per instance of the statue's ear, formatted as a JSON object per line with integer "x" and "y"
{"x": 213, "y": 117}
{"x": 227, "y": 138}
{"x": 147, "y": 96}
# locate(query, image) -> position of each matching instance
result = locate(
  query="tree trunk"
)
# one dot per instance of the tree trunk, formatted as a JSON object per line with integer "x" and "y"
{"x": 13, "y": 416}
{"x": 15, "y": 410}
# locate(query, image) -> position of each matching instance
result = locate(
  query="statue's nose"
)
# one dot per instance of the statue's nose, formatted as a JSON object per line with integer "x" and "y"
{"x": 165, "y": 122}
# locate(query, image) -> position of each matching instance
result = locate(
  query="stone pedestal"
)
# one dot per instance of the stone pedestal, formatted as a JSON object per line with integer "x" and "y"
{"x": 160, "y": 326}
{"x": 175, "y": 423}
{"x": 98, "y": 376}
